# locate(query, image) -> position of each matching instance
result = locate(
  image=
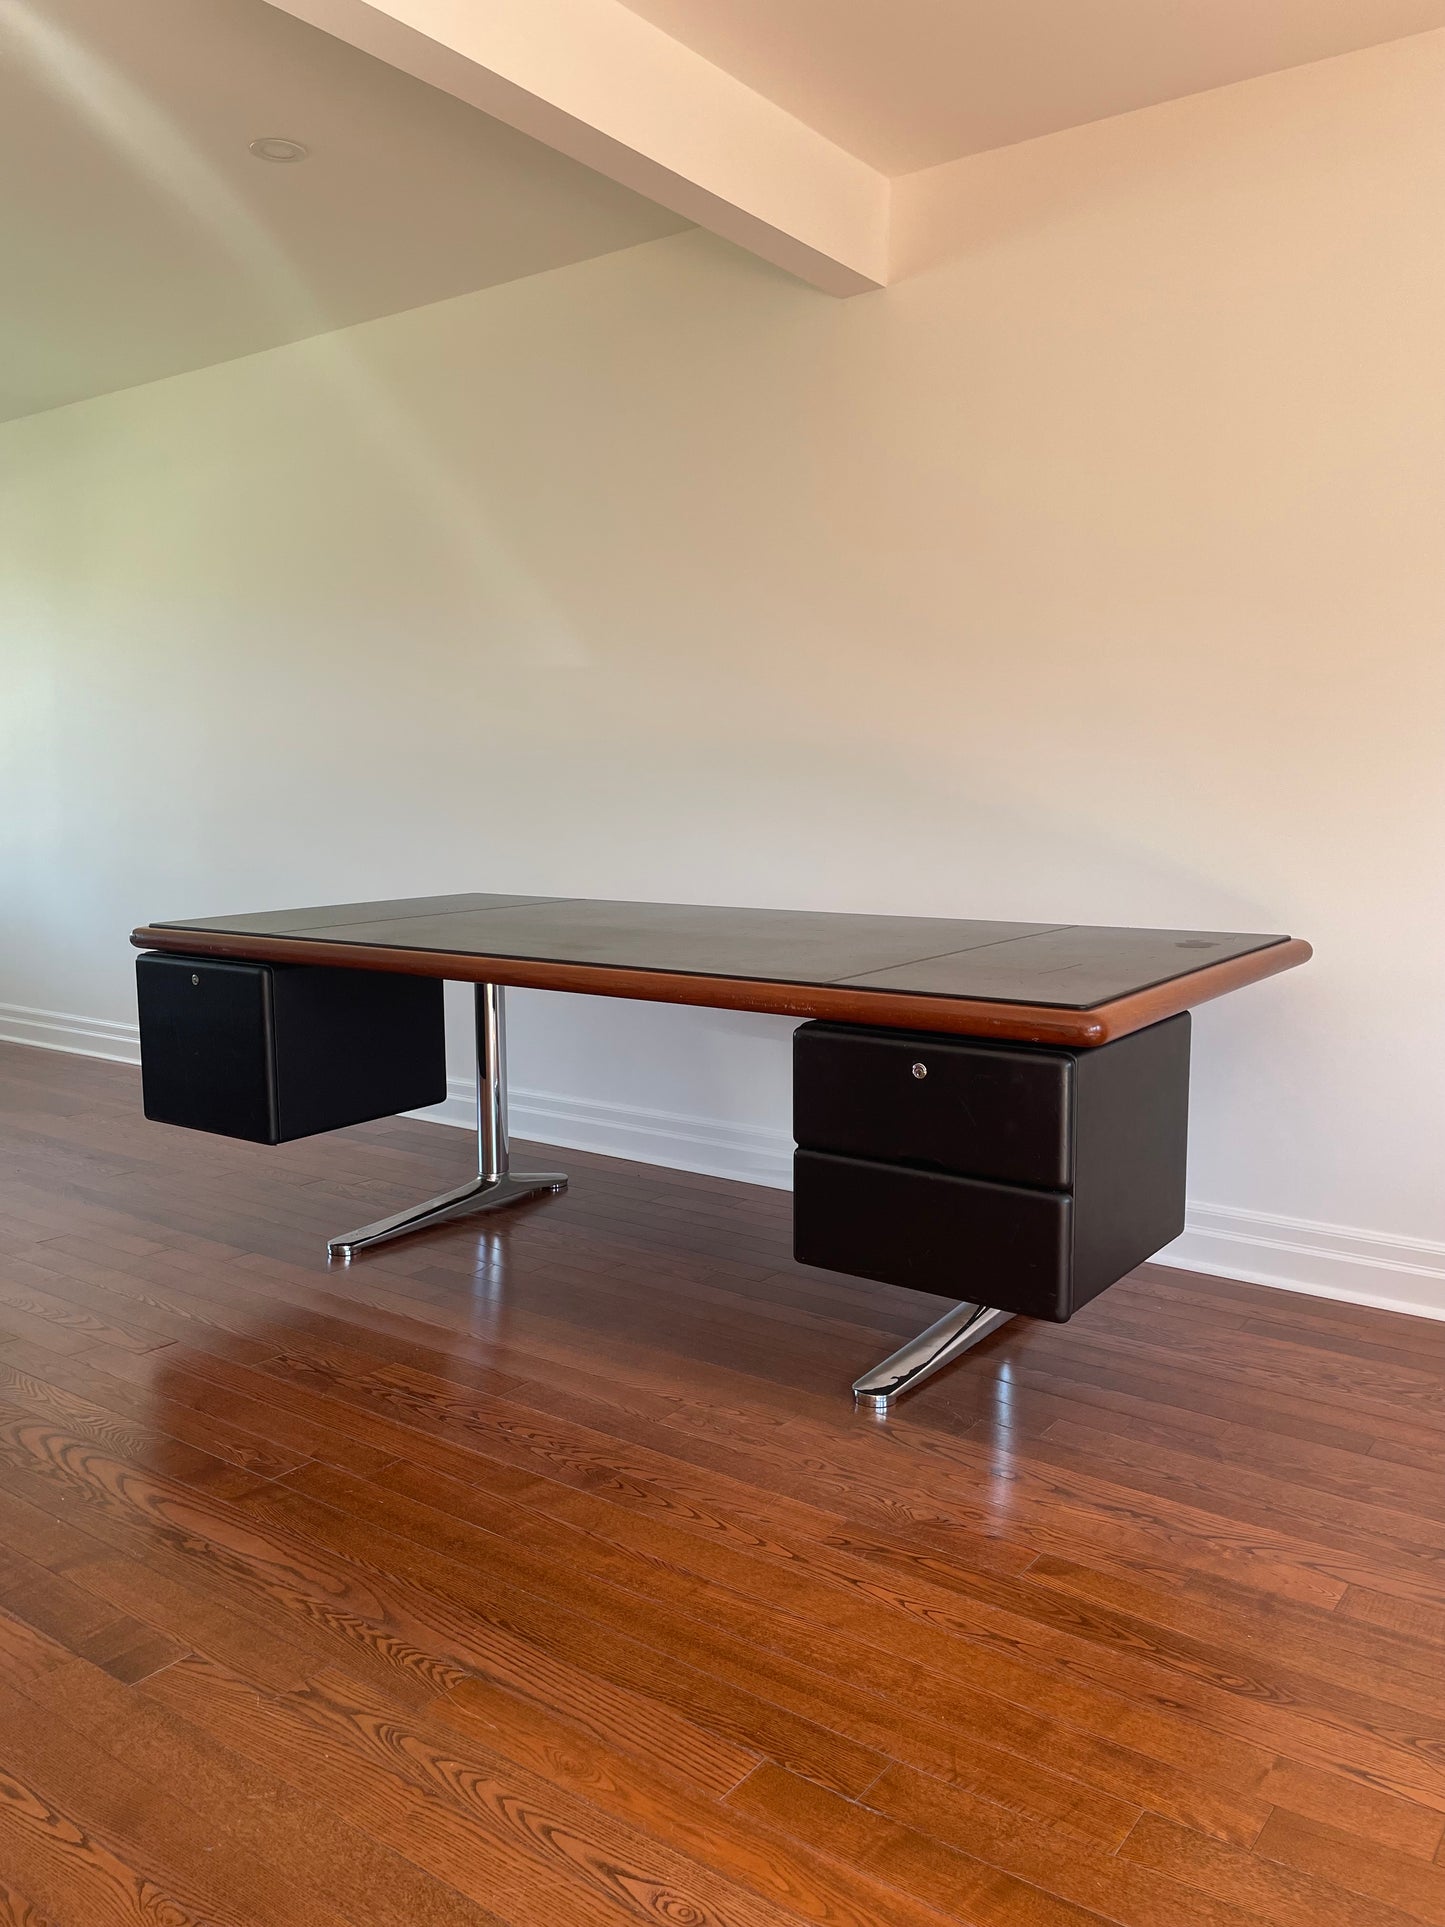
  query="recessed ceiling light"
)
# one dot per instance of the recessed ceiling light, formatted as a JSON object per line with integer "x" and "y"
{"x": 272, "y": 148}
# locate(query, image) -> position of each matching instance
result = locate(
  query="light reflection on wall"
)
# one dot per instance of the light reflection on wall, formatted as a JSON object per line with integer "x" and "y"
{"x": 144, "y": 138}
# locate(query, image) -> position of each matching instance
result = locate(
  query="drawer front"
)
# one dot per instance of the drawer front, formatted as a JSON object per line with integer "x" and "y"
{"x": 981, "y": 1110}
{"x": 206, "y": 1037}
{"x": 960, "y": 1237}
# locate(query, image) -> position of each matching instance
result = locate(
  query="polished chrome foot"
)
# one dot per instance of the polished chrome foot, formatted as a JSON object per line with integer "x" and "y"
{"x": 496, "y": 1184}
{"x": 957, "y": 1331}
{"x": 481, "y": 1194}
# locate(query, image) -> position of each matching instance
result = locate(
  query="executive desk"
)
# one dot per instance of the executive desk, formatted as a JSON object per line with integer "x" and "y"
{"x": 1006, "y": 1098}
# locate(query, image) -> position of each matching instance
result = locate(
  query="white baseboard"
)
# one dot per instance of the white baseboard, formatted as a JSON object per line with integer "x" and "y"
{"x": 62, "y": 1030}
{"x": 1380, "y": 1268}
{"x": 681, "y": 1142}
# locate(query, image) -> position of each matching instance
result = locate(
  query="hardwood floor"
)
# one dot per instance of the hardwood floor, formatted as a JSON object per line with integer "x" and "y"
{"x": 539, "y": 1570}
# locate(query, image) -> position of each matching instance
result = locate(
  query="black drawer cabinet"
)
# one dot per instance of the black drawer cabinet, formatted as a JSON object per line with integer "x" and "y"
{"x": 1026, "y": 1178}
{"x": 271, "y": 1052}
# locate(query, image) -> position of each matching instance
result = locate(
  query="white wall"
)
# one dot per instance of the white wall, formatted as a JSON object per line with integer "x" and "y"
{"x": 1092, "y": 572}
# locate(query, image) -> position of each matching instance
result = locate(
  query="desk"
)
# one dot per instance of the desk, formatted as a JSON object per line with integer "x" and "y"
{"x": 964, "y": 1088}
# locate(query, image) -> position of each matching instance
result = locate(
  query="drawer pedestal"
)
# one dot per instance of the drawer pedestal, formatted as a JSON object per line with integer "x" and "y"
{"x": 1028, "y": 1179}
{"x": 272, "y": 1052}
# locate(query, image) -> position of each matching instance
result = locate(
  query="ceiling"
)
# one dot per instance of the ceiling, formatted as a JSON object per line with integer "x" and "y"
{"x": 139, "y": 238}
{"x": 906, "y": 84}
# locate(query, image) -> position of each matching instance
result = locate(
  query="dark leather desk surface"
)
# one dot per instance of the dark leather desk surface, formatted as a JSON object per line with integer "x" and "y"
{"x": 1063, "y": 982}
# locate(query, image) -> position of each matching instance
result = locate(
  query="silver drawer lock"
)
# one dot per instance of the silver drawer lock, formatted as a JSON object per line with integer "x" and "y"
{"x": 920, "y": 1070}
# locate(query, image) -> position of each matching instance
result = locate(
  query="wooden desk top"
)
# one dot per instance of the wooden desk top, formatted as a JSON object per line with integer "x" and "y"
{"x": 1076, "y": 984}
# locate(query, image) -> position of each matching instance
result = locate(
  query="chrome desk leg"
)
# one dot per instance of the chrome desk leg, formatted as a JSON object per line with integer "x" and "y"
{"x": 495, "y": 1184}
{"x": 957, "y": 1331}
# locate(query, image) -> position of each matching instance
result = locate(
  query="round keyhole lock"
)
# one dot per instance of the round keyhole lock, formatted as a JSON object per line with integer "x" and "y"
{"x": 194, "y": 978}
{"x": 920, "y": 1070}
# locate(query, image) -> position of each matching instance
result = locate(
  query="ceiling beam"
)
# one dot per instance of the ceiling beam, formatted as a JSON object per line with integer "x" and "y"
{"x": 599, "y": 83}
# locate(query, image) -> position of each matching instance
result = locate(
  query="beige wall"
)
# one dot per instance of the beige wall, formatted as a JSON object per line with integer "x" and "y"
{"x": 1094, "y": 572}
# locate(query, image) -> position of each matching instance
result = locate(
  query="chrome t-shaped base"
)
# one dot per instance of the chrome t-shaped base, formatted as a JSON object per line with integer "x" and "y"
{"x": 495, "y": 1184}
{"x": 480, "y": 1194}
{"x": 957, "y": 1331}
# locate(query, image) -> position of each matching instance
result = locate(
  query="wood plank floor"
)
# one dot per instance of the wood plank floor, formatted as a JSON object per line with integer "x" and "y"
{"x": 539, "y": 1571}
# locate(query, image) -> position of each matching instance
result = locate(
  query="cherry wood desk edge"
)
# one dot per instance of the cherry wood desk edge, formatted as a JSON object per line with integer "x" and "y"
{"x": 841, "y": 1003}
